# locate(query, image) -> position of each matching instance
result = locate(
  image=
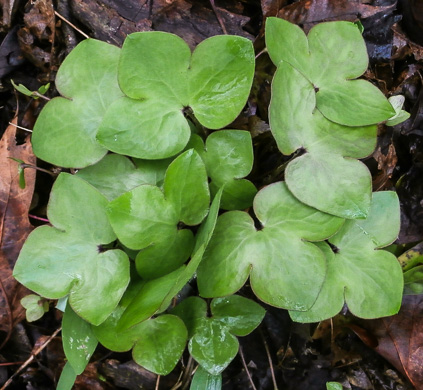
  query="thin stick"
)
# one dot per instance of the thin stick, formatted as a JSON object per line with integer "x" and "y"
{"x": 269, "y": 358}
{"x": 187, "y": 373}
{"x": 178, "y": 383}
{"x": 10, "y": 364}
{"x": 72, "y": 25}
{"x": 31, "y": 358}
{"x": 20, "y": 127}
{"x": 157, "y": 383}
{"x": 219, "y": 19}
{"x": 246, "y": 368}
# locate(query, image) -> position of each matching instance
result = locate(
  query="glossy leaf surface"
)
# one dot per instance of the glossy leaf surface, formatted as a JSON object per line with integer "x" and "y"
{"x": 79, "y": 342}
{"x": 67, "y": 258}
{"x": 212, "y": 339}
{"x": 203, "y": 380}
{"x": 65, "y": 131}
{"x": 114, "y": 175}
{"x": 67, "y": 378}
{"x": 146, "y": 218}
{"x": 367, "y": 279}
{"x": 228, "y": 155}
{"x": 326, "y": 176}
{"x": 330, "y": 58}
{"x": 161, "y": 78}
{"x": 285, "y": 269}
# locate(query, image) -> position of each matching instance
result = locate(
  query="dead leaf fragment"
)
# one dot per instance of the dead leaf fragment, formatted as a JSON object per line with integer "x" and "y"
{"x": 14, "y": 223}
{"x": 400, "y": 338}
{"x": 386, "y": 165}
{"x": 310, "y": 12}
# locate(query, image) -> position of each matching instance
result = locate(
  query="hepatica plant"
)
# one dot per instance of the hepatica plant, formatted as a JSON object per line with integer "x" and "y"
{"x": 158, "y": 199}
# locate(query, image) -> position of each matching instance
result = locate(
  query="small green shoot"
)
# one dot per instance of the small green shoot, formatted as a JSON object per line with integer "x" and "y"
{"x": 33, "y": 94}
{"x": 35, "y": 307}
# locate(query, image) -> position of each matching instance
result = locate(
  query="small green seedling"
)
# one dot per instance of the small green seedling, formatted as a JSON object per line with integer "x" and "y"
{"x": 34, "y": 94}
{"x": 35, "y": 307}
{"x": 400, "y": 115}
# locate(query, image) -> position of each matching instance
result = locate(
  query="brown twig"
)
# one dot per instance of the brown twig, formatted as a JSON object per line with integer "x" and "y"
{"x": 70, "y": 24}
{"x": 246, "y": 368}
{"x": 157, "y": 383}
{"x": 31, "y": 358}
{"x": 269, "y": 358}
{"x": 218, "y": 17}
{"x": 10, "y": 364}
{"x": 187, "y": 373}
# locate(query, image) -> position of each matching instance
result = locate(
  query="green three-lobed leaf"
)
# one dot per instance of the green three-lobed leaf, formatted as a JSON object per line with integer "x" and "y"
{"x": 161, "y": 79}
{"x": 212, "y": 339}
{"x": 330, "y": 58}
{"x": 285, "y": 269}
{"x": 68, "y": 258}
{"x": 146, "y": 218}
{"x": 327, "y": 176}
{"x": 317, "y": 108}
{"x": 367, "y": 279}
{"x": 65, "y": 131}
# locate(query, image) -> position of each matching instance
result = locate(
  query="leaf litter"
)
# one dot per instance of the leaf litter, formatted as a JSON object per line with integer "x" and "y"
{"x": 14, "y": 224}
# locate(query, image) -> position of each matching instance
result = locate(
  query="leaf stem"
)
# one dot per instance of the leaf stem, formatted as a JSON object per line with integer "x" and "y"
{"x": 38, "y": 218}
{"x": 23, "y": 166}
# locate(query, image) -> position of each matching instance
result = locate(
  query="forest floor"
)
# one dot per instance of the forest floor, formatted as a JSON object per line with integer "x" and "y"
{"x": 377, "y": 354}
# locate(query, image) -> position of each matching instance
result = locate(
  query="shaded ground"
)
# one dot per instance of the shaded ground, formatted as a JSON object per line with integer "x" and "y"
{"x": 34, "y": 42}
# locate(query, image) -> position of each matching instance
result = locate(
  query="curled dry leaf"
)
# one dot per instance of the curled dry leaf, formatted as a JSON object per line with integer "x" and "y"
{"x": 14, "y": 223}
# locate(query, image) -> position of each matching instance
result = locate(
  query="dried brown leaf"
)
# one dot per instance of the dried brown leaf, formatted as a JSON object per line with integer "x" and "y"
{"x": 400, "y": 338}
{"x": 14, "y": 223}
{"x": 310, "y": 12}
{"x": 386, "y": 165}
